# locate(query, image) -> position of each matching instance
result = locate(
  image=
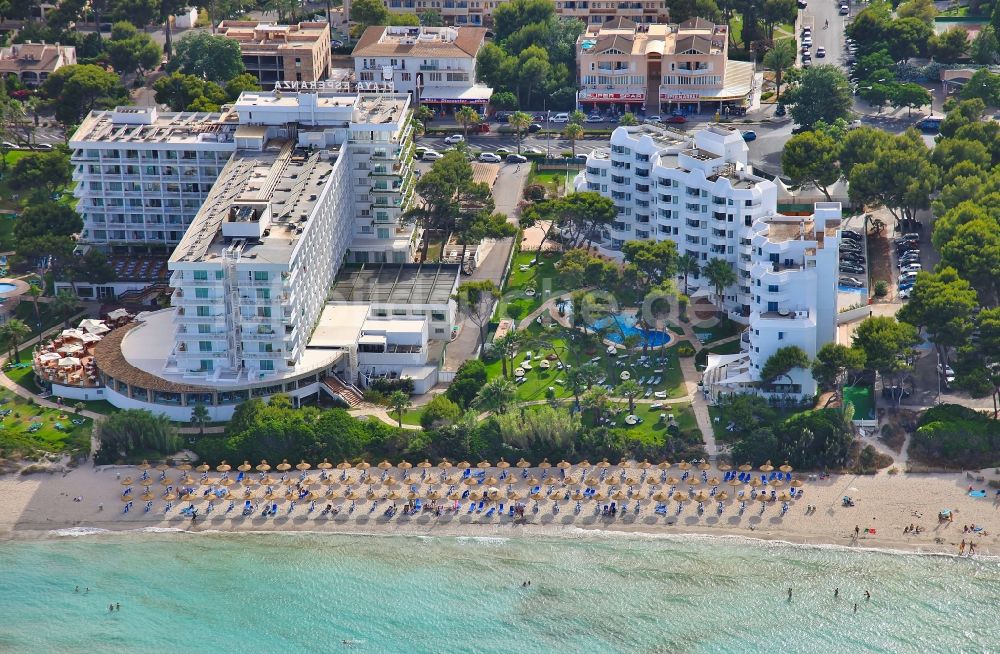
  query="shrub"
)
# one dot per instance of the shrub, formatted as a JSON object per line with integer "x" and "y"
{"x": 440, "y": 412}
{"x": 881, "y": 288}
{"x": 954, "y": 435}
{"x": 389, "y": 386}
{"x": 471, "y": 376}
{"x": 766, "y": 95}
{"x": 684, "y": 349}
{"x": 518, "y": 309}
{"x": 534, "y": 192}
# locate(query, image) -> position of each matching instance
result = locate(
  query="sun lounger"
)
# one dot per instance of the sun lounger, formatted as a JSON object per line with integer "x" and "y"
{"x": 472, "y": 507}
{"x": 489, "y": 514}
{"x": 479, "y": 508}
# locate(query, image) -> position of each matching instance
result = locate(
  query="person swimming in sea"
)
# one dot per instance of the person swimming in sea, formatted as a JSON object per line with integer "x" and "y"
{"x": 868, "y": 596}
{"x": 836, "y": 593}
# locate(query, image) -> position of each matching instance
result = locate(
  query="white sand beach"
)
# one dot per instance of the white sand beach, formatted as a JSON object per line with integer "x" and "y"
{"x": 36, "y": 505}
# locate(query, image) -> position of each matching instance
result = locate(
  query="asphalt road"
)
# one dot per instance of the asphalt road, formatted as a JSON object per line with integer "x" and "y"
{"x": 831, "y": 38}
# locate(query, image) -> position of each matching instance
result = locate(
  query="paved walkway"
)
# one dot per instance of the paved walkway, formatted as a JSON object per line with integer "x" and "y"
{"x": 382, "y": 414}
{"x": 698, "y": 403}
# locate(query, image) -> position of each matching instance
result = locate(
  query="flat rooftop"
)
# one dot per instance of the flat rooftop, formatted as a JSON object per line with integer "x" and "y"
{"x": 393, "y": 283}
{"x": 288, "y": 179}
{"x": 453, "y": 42}
{"x": 262, "y": 37}
{"x": 322, "y": 106}
{"x": 124, "y": 125}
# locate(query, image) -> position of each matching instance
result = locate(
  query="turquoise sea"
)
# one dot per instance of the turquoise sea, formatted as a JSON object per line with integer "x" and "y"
{"x": 294, "y": 592}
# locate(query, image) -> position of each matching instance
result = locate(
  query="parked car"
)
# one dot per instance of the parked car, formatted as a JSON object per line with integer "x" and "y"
{"x": 489, "y": 157}
{"x": 534, "y": 127}
{"x": 851, "y": 282}
{"x": 516, "y": 158}
{"x": 820, "y": 52}
{"x": 851, "y": 269}
{"x": 904, "y": 293}
{"x": 844, "y": 10}
{"x": 801, "y": 4}
{"x": 930, "y": 125}
{"x": 856, "y": 259}
{"x": 653, "y": 119}
{"x": 749, "y": 135}
{"x": 431, "y": 155}
{"x": 947, "y": 371}
{"x": 560, "y": 118}
{"x": 894, "y": 392}
{"x": 43, "y": 146}
{"x": 910, "y": 268}
{"x": 503, "y": 152}
{"x": 851, "y": 234}
{"x": 595, "y": 118}
{"x": 531, "y": 150}
{"x": 676, "y": 120}
{"x": 909, "y": 258}
{"x": 454, "y": 138}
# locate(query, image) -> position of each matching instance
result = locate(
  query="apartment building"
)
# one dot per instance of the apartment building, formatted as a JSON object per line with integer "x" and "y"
{"x": 694, "y": 189}
{"x": 793, "y": 289}
{"x": 601, "y": 11}
{"x": 280, "y": 53}
{"x": 474, "y": 13}
{"x": 142, "y": 175}
{"x": 435, "y": 65}
{"x": 699, "y": 191}
{"x": 32, "y": 63}
{"x": 660, "y": 67}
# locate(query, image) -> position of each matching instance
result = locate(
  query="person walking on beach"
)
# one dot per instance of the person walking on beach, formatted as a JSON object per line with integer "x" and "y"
{"x": 857, "y": 531}
{"x": 961, "y": 548}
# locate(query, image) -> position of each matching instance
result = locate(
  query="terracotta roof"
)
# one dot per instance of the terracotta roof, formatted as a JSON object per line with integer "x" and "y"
{"x": 111, "y": 362}
{"x": 621, "y": 42}
{"x": 619, "y": 23}
{"x": 466, "y": 44}
{"x": 34, "y": 56}
{"x": 699, "y": 44}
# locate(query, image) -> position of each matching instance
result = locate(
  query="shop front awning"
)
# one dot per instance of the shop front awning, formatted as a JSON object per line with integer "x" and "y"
{"x": 737, "y": 85}
{"x": 476, "y": 94}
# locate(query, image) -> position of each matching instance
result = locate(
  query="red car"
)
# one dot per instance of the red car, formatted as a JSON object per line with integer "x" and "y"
{"x": 675, "y": 119}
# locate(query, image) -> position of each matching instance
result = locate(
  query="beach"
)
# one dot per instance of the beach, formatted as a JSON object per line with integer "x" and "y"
{"x": 885, "y": 506}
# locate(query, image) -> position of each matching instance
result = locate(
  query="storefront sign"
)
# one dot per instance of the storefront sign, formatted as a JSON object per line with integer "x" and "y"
{"x": 680, "y": 97}
{"x": 612, "y": 97}
{"x": 482, "y": 101}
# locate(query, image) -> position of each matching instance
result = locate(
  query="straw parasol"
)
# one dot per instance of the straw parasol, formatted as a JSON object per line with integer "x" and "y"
{"x": 162, "y": 467}
{"x": 777, "y": 483}
{"x": 556, "y": 495}
{"x": 187, "y": 466}
{"x": 470, "y": 481}
{"x": 664, "y": 465}
{"x": 693, "y": 481}
{"x": 389, "y": 481}
{"x": 491, "y": 481}
{"x": 734, "y": 482}
{"x": 532, "y": 481}
{"x": 577, "y": 495}
{"x": 144, "y": 465}
{"x": 326, "y": 465}
{"x": 412, "y": 496}
{"x": 267, "y": 480}
{"x": 424, "y": 464}
{"x": 523, "y": 464}
{"x": 713, "y": 481}
{"x": 203, "y": 468}
{"x": 434, "y": 495}
{"x": 302, "y": 465}
{"x": 409, "y": 480}
{"x": 385, "y": 465}
{"x": 463, "y": 464}
{"x": 672, "y": 480}
{"x": 493, "y": 493}
{"x": 746, "y": 467}
{"x": 796, "y": 483}
{"x": 620, "y": 495}
{"x": 722, "y": 496}
{"x": 513, "y": 495}
{"x": 767, "y": 467}
{"x": 701, "y": 496}
{"x": 263, "y": 466}
{"x": 483, "y": 465}
{"x": 476, "y": 494}
{"x": 284, "y": 466}
{"x": 332, "y": 494}
{"x": 502, "y": 464}
{"x": 404, "y": 465}
{"x": 571, "y": 481}
{"x": 645, "y": 465}
{"x": 148, "y": 496}
{"x": 223, "y": 467}
{"x": 166, "y": 481}
{"x": 564, "y": 464}
{"x": 352, "y": 495}
{"x": 593, "y": 482}
{"x": 783, "y": 496}
{"x": 704, "y": 466}
{"x": 600, "y": 496}
{"x": 537, "y": 496}
{"x": 680, "y": 497}
{"x": 247, "y": 481}
{"x": 661, "y": 497}
{"x": 246, "y": 467}
{"x": 725, "y": 467}
{"x": 445, "y": 464}
{"x": 684, "y": 465}
{"x": 785, "y": 467}
{"x": 583, "y": 464}
{"x": 170, "y": 497}
{"x": 755, "y": 482}
{"x": 455, "y": 496}
{"x": 545, "y": 465}
{"x": 127, "y": 481}
{"x": 364, "y": 465}
{"x": 603, "y": 463}
{"x": 227, "y": 482}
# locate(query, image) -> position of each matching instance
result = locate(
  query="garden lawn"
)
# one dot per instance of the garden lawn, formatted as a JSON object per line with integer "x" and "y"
{"x": 6, "y": 232}
{"x": 538, "y": 380}
{"x": 652, "y": 430}
{"x": 14, "y": 434}
{"x": 554, "y": 181}
{"x": 722, "y": 329}
{"x": 540, "y": 276}
{"x": 410, "y": 417}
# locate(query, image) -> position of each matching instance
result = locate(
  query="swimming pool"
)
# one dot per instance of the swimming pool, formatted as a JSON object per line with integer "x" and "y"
{"x": 624, "y": 325}
{"x": 7, "y": 288}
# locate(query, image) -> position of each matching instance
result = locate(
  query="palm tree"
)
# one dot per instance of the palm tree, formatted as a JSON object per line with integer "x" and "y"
{"x": 199, "y": 417}
{"x": 597, "y": 400}
{"x": 506, "y": 346}
{"x": 779, "y": 59}
{"x": 497, "y": 396}
{"x": 16, "y": 331}
{"x": 64, "y": 304}
{"x": 36, "y": 292}
{"x": 629, "y": 389}
{"x": 720, "y": 275}
{"x": 628, "y": 120}
{"x": 573, "y": 132}
{"x": 687, "y": 265}
{"x": 577, "y": 117}
{"x": 466, "y": 117}
{"x": 423, "y": 114}
{"x": 520, "y": 121}
{"x": 399, "y": 402}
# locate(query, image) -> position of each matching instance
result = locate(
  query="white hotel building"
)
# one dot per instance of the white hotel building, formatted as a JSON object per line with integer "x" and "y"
{"x": 313, "y": 181}
{"x": 699, "y": 191}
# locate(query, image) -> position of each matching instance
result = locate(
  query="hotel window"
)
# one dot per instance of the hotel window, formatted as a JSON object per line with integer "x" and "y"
{"x": 202, "y": 311}
{"x": 260, "y": 276}
{"x": 201, "y": 293}
{"x": 263, "y": 294}
{"x": 204, "y": 346}
{"x": 204, "y": 329}
{"x": 267, "y": 364}
{"x": 263, "y": 312}
{"x": 207, "y": 365}
{"x": 201, "y": 275}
